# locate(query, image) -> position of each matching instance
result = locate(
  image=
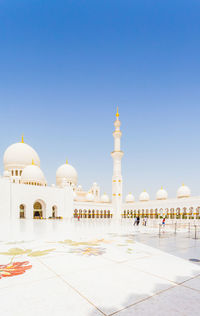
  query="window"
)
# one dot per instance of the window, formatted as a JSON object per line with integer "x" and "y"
{"x": 16, "y": 172}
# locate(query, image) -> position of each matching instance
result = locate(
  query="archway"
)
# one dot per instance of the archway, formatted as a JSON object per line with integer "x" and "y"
{"x": 197, "y": 212}
{"x": 22, "y": 211}
{"x": 172, "y": 213}
{"x": 184, "y": 212}
{"x": 38, "y": 210}
{"x": 75, "y": 213}
{"x": 160, "y": 213}
{"x": 54, "y": 211}
{"x": 191, "y": 213}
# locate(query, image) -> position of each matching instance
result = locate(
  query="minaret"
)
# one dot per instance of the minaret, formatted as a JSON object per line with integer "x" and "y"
{"x": 117, "y": 155}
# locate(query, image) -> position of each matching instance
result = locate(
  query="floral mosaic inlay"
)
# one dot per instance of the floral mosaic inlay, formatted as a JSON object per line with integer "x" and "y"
{"x": 14, "y": 268}
{"x": 89, "y": 251}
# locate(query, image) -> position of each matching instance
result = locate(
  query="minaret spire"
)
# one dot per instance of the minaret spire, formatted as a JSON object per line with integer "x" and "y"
{"x": 117, "y": 155}
{"x": 117, "y": 114}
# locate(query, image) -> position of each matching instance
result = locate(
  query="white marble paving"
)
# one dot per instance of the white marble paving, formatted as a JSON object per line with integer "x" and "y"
{"x": 168, "y": 267}
{"x": 115, "y": 287}
{"x": 89, "y": 269}
{"x": 37, "y": 272}
{"x": 193, "y": 283}
{"x": 47, "y": 297}
{"x": 178, "y": 301}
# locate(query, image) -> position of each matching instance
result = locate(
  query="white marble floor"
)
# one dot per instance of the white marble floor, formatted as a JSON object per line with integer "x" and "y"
{"x": 95, "y": 268}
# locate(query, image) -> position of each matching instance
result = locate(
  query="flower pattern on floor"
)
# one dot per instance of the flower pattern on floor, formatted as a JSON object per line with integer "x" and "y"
{"x": 84, "y": 248}
{"x": 17, "y": 268}
{"x": 89, "y": 251}
{"x": 28, "y": 252}
{"x": 14, "y": 268}
{"x": 95, "y": 242}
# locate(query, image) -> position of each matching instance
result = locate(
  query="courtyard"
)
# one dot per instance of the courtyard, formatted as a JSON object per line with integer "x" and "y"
{"x": 100, "y": 267}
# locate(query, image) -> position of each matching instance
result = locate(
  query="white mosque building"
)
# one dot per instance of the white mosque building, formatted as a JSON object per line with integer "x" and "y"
{"x": 24, "y": 192}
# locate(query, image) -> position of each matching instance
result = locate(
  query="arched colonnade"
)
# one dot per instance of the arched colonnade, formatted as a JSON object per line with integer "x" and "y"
{"x": 87, "y": 213}
{"x": 171, "y": 213}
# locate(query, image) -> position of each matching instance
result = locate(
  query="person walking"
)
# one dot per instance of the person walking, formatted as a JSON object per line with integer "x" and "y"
{"x": 135, "y": 221}
{"x": 138, "y": 220}
{"x": 163, "y": 222}
{"x": 145, "y": 221}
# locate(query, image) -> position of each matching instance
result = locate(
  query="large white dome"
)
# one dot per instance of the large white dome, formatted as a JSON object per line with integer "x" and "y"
{"x": 105, "y": 198}
{"x": 20, "y": 155}
{"x": 144, "y": 196}
{"x": 66, "y": 172}
{"x": 161, "y": 194}
{"x": 33, "y": 175}
{"x": 183, "y": 192}
{"x": 130, "y": 198}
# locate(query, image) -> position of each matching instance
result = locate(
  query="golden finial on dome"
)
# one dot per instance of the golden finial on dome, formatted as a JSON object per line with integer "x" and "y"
{"x": 117, "y": 114}
{"x": 22, "y": 138}
{"x": 66, "y": 161}
{"x": 161, "y": 187}
{"x": 33, "y": 162}
{"x": 183, "y": 184}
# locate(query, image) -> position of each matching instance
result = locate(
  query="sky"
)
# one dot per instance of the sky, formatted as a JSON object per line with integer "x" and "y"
{"x": 66, "y": 65}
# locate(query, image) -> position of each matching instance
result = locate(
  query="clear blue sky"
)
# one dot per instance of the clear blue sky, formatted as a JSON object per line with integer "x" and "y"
{"x": 66, "y": 65}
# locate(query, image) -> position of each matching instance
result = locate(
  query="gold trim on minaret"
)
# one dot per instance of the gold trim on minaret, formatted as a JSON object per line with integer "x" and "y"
{"x": 117, "y": 114}
{"x": 33, "y": 162}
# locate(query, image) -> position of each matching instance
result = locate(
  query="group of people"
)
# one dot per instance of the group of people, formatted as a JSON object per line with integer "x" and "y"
{"x": 144, "y": 222}
{"x": 137, "y": 221}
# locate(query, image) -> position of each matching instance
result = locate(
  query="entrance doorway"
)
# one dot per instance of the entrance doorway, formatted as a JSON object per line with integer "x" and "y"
{"x": 54, "y": 211}
{"x": 38, "y": 211}
{"x": 22, "y": 211}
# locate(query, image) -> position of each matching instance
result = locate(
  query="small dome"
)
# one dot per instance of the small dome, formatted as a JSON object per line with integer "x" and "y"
{"x": 89, "y": 197}
{"x": 130, "y": 198}
{"x": 79, "y": 188}
{"x": 105, "y": 198}
{"x": 66, "y": 172}
{"x": 144, "y": 196}
{"x": 33, "y": 175}
{"x": 183, "y": 192}
{"x": 161, "y": 194}
{"x": 19, "y": 156}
